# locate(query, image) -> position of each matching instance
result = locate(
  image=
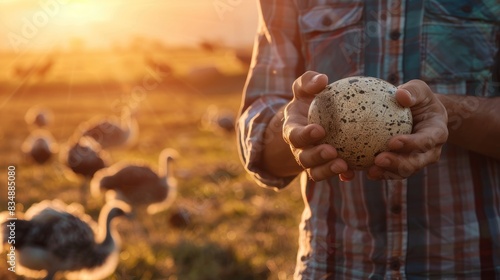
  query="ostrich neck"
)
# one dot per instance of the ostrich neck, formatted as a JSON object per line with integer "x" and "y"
{"x": 126, "y": 120}
{"x": 108, "y": 241}
{"x": 165, "y": 167}
{"x": 105, "y": 245}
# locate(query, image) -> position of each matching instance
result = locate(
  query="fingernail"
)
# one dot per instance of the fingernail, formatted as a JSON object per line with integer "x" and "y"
{"x": 334, "y": 168}
{"x": 337, "y": 169}
{"x": 345, "y": 178}
{"x": 412, "y": 98}
{"x": 396, "y": 145}
{"x": 315, "y": 78}
{"x": 326, "y": 154}
{"x": 315, "y": 133}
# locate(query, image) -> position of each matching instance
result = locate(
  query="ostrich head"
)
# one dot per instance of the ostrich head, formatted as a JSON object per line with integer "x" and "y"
{"x": 166, "y": 158}
{"x": 125, "y": 128}
{"x": 38, "y": 116}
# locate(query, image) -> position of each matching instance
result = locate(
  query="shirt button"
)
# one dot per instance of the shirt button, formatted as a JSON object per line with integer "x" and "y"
{"x": 396, "y": 209}
{"x": 395, "y": 35}
{"x": 326, "y": 21}
{"x": 393, "y": 78}
{"x": 395, "y": 264}
{"x": 466, "y": 9}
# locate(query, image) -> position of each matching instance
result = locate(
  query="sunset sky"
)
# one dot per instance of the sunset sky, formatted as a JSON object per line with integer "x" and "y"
{"x": 43, "y": 24}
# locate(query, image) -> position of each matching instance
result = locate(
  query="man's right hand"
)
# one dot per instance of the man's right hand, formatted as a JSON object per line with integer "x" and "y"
{"x": 320, "y": 161}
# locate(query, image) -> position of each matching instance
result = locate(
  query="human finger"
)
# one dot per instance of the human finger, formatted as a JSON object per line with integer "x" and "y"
{"x": 347, "y": 176}
{"x": 405, "y": 165}
{"x": 414, "y": 93}
{"x": 423, "y": 103}
{"x": 316, "y": 155}
{"x": 330, "y": 169}
{"x": 303, "y": 136}
{"x": 309, "y": 84}
{"x": 423, "y": 140}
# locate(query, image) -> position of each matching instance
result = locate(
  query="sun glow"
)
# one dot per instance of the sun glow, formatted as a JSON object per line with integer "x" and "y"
{"x": 27, "y": 25}
{"x": 50, "y": 23}
{"x": 85, "y": 12}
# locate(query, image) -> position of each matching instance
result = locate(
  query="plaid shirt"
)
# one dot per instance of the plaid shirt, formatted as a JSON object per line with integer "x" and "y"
{"x": 442, "y": 223}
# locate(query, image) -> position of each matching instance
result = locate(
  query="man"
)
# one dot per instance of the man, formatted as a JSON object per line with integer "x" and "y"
{"x": 430, "y": 207}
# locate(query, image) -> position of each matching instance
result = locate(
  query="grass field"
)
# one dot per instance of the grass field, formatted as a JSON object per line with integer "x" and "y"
{"x": 236, "y": 229}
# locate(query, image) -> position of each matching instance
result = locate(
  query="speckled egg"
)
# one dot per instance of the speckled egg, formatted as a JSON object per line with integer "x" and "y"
{"x": 359, "y": 115}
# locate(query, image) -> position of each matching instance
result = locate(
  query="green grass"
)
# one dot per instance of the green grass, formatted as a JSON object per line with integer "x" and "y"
{"x": 237, "y": 230}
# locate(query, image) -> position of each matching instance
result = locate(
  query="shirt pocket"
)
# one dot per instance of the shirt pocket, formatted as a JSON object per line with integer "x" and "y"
{"x": 458, "y": 41}
{"x": 453, "y": 10}
{"x": 332, "y": 37}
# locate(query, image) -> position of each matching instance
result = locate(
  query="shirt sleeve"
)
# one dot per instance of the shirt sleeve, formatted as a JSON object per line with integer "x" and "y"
{"x": 276, "y": 63}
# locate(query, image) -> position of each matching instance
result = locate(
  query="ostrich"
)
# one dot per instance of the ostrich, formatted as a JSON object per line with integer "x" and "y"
{"x": 208, "y": 46}
{"x": 23, "y": 72}
{"x": 161, "y": 68}
{"x": 84, "y": 157}
{"x": 54, "y": 237}
{"x": 243, "y": 56}
{"x": 218, "y": 120}
{"x": 111, "y": 132}
{"x": 38, "y": 116}
{"x": 138, "y": 184}
{"x": 40, "y": 146}
{"x": 44, "y": 69}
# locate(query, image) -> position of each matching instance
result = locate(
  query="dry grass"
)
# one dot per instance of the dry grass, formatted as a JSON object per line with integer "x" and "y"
{"x": 237, "y": 230}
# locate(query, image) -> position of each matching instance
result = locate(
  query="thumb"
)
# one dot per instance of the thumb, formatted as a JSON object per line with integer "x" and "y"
{"x": 414, "y": 93}
{"x": 309, "y": 84}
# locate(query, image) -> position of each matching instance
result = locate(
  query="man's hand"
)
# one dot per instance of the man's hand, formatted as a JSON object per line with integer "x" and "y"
{"x": 409, "y": 153}
{"x": 320, "y": 161}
